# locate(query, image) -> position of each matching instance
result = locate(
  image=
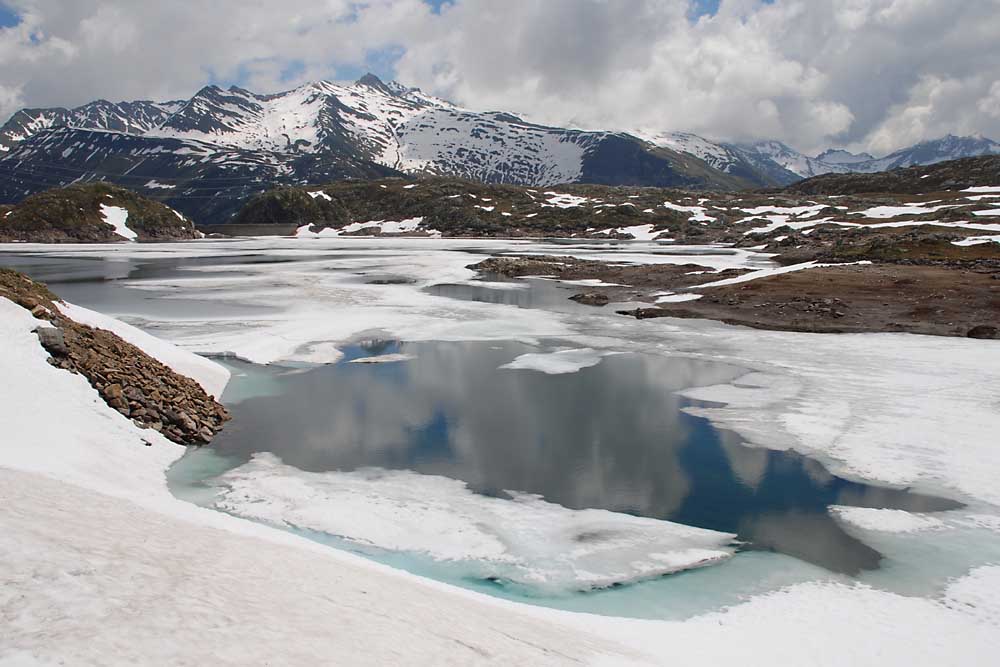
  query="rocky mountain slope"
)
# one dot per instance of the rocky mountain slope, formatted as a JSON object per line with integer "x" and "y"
{"x": 128, "y": 117}
{"x": 207, "y": 154}
{"x": 204, "y": 154}
{"x": 454, "y": 207}
{"x": 92, "y": 213}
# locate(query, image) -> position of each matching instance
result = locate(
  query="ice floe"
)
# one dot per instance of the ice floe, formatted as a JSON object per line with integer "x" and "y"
{"x": 521, "y": 539}
{"x": 383, "y": 359}
{"x": 886, "y": 520}
{"x": 555, "y": 363}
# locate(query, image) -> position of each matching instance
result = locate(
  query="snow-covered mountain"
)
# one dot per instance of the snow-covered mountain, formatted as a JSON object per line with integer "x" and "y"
{"x": 204, "y": 153}
{"x": 127, "y": 117}
{"x": 839, "y": 156}
{"x": 320, "y": 131}
{"x": 931, "y": 152}
{"x": 777, "y": 162}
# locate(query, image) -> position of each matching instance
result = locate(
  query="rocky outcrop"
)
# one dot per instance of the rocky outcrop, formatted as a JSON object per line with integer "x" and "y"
{"x": 138, "y": 386}
{"x": 75, "y": 214}
{"x": 591, "y": 298}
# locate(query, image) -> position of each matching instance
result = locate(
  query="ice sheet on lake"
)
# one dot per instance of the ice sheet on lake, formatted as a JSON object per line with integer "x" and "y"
{"x": 556, "y": 363}
{"x": 898, "y": 408}
{"x": 522, "y": 539}
{"x": 318, "y": 353}
{"x": 886, "y": 520}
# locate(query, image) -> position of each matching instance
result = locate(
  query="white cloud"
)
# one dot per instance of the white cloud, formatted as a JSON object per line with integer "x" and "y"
{"x": 868, "y": 74}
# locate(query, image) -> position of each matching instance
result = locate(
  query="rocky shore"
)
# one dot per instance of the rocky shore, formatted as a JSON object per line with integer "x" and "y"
{"x": 918, "y": 284}
{"x": 854, "y": 299}
{"x": 129, "y": 380}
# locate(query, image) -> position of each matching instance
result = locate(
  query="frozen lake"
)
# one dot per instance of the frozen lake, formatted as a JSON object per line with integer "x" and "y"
{"x": 514, "y": 442}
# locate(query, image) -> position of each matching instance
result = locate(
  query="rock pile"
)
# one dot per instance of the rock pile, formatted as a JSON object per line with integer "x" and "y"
{"x": 129, "y": 380}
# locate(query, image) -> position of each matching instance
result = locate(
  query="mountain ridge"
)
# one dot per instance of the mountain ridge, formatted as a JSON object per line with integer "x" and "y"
{"x": 231, "y": 143}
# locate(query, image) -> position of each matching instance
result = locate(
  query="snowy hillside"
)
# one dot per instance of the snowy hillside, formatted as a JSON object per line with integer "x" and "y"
{"x": 387, "y": 124}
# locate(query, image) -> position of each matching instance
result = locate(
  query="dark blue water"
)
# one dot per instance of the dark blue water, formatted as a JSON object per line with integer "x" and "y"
{"x": 613, "y": 436}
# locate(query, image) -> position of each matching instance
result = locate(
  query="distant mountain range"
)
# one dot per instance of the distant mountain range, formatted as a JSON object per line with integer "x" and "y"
{"x": 773, "y": 160}
{"x": 207, "y": 154}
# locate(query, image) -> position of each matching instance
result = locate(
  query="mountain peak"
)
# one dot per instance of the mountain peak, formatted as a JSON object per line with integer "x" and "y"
{"x": 840, "y": 156}
{"x": 372, "y": 81}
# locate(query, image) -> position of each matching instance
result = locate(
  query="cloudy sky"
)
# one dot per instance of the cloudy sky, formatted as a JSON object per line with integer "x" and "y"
{"x": 865, "y": 74}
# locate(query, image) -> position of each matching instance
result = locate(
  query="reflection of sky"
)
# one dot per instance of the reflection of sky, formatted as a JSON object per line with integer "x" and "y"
{"x": 612, "y": 436}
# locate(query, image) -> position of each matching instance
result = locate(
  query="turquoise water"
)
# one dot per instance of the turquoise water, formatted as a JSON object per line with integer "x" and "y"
{"x": 613, "y": 436}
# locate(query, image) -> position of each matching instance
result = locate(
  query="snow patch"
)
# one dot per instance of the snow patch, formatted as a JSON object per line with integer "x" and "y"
{"x": 678, "y": 298}
{"x": 116, "y": 217}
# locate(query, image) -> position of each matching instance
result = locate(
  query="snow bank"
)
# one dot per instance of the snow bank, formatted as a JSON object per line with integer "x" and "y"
{"x": 116, "y": 217}
{"x": 640, "y": 232}
{"x": 977, "y": 240}
{"x": 556, "y": 363}
{"x": 523, "y": 539}
{"x": 678, "y": 298}
{"x": 210, "y": 375}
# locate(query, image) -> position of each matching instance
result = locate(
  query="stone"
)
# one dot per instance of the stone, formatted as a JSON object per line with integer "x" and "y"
{"x": 53, "y": 340}
{"x": 984, "y": 332}
{"x": 591, "y": 298}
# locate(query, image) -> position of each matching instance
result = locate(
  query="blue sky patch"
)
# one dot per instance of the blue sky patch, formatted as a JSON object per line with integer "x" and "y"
{"x": 8, "y": 17}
